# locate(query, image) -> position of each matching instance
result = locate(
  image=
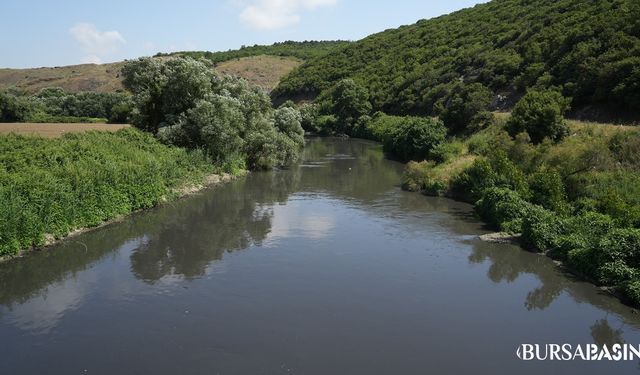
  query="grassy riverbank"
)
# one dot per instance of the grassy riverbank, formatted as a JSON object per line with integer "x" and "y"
{"x": 577, "y": 200}
{"x": 51, "y": 187}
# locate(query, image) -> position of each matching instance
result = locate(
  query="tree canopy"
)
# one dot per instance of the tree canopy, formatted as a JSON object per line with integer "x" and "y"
{"x": 187, "y": 104}
{"x": 589, "y": 50}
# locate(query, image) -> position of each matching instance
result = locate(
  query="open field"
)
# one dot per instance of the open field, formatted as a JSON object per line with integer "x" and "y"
{"x": 264, "y": 71}
{"x": 55, "y": 130}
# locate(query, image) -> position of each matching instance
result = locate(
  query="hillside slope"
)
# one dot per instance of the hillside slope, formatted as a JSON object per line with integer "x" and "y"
{"x": 590, "y": 49}
{"x": 262, "y": 66}
{"x": 73, "y": 78}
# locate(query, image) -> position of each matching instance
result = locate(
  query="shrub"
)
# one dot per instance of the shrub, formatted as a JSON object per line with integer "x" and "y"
{"x": 632, "y": 292}
{"x": 503, "y": 208}
{"x": 326, "y": 124}
{"x": 615, "y": 273}
{"x": 542, "y": 230}
{"x": 583, "y": 259}
{"x": 497, "y": 171}
{"x": 541, "y": 115}
{"x": 620, "y": 245}
{"x": 547, "y": 190}
{"x": 414, "y": 138}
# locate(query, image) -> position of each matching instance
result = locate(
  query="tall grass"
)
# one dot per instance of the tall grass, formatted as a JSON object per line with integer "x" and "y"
{"x": 50, "y": 187}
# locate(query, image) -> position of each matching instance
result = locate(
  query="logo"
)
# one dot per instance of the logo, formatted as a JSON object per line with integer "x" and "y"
{"x": 584, "y": 352}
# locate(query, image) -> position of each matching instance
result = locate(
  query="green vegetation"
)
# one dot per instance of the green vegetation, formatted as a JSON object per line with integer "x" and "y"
{"x": 571, "y": 191}
{"x": 194, "y": 123}
{"x": 302, "y": 50}
{"x": 56, "y": 105}
{"x": 50, "y": 187}
{"x": 541, "y": 115}
{"x": 588, "y": 50}
{"x": 574, "y": 198}
{"x": 186, "y": 103}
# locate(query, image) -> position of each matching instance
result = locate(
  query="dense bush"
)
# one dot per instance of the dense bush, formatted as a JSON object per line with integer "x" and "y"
{"x": 541, "y": 115}
{"x": 503, "y": 208}
{"x": 413, "y": 138}
{"x": 49, "y": 187}
{"x": 496, "y": 171}
{"x": 187, "y": 104}
{"x": 542, "y": 230}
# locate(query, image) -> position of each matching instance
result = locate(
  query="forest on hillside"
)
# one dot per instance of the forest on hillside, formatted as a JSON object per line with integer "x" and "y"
{"x": 587, "y": 50}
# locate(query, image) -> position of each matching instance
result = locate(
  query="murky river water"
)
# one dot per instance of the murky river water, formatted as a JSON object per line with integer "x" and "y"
{"x": 328, "y": 268}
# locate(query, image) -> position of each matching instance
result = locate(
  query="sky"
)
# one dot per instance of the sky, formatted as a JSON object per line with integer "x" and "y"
{"x": 35, "y": 33}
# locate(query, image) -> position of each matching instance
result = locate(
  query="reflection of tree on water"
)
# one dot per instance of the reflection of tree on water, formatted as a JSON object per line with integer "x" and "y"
{"x": 202, "y": 229}
{"x": 508, "y": 262}
{"x": 604, "y": 334}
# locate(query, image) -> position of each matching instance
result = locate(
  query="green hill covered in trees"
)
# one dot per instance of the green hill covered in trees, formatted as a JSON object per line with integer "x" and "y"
{"x": 590, "y": 50}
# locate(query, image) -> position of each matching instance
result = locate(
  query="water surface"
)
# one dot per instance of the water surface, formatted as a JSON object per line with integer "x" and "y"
{"x": 327, "y": 268}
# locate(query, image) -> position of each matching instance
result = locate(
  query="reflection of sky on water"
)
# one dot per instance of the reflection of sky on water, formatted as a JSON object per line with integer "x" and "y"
{"x": 45, "y": 311}
{"x": 300, "y": 218}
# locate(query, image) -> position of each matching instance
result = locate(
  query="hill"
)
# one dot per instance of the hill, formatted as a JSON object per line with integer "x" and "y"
{"x": 73, "y": 78}
{"x": 590, "y": 50}
{"x": 261, "y": 65}
{"x": 301, "y": 50}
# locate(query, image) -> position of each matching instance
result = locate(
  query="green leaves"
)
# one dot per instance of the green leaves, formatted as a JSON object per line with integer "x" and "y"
{"x": 187, "y": 104}
{"x": 541, "y": 115}
{"x": 52, "y": 186}
{"x": 589, "y": 50}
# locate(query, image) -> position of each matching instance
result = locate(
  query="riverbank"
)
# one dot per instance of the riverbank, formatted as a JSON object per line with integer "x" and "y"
{"x": 53, "y": 188}
{"x": 184, "y": 191}
{"x": 576, "y": 201}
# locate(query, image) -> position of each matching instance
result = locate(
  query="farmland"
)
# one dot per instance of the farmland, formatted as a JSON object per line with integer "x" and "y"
{"x": 55, "y": 130}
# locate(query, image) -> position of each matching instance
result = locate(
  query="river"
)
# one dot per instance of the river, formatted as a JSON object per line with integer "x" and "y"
{"x": 327, "y": 268}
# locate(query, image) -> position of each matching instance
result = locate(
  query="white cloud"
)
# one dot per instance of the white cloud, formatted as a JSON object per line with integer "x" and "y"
{"x": 95, "y": 43}
{"x": 277, "y": 14}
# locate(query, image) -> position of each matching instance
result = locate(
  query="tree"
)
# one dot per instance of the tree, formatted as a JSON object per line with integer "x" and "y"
{"x": 146, "y": 79}
{"x": 288, "y": 121}
{"x": 350, "y": 102}
{"x": 414, "y": 138}
{"x": 187, "y": 104}
{"x": 14, "y": 108}
{"x": 541, "y": 115}
{"x": 464, "y": 107}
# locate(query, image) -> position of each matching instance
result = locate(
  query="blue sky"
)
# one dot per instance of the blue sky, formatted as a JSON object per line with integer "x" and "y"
{"x": 37, "y": 33}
